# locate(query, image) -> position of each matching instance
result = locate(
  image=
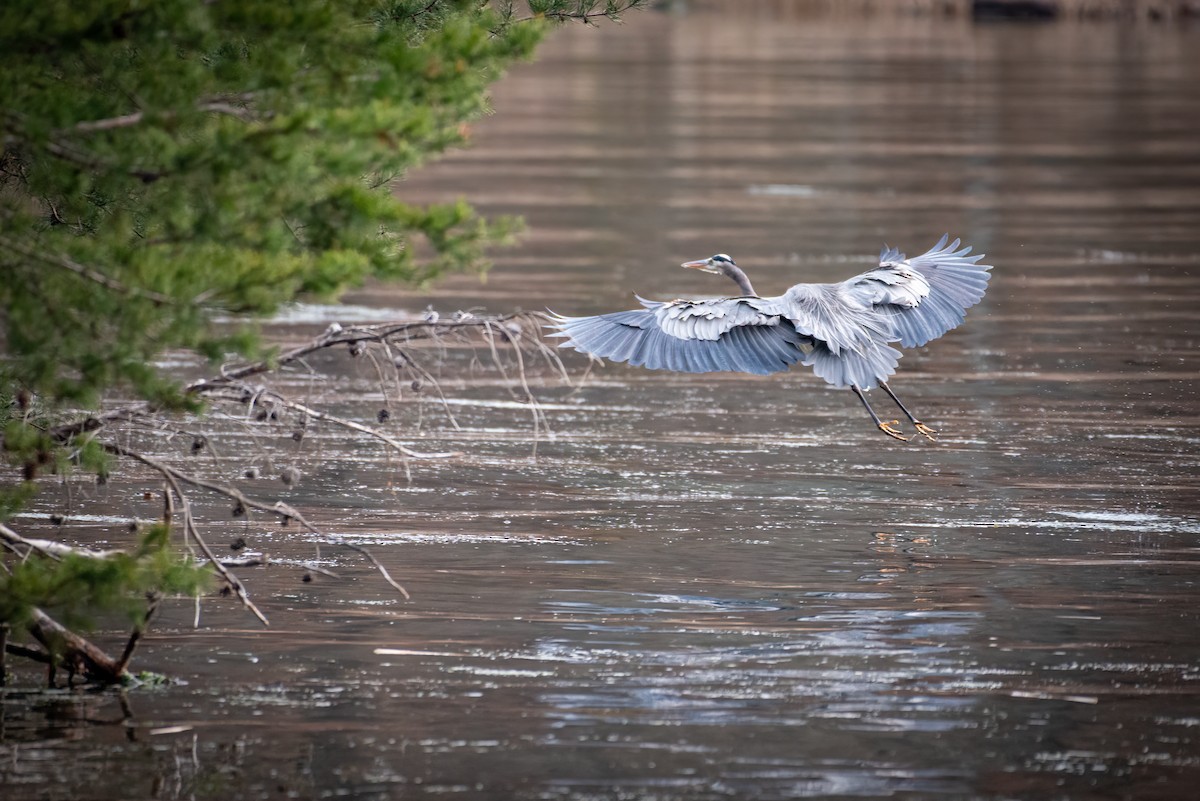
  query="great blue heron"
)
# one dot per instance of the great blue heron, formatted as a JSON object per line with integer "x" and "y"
{"x": 841, "y": 330}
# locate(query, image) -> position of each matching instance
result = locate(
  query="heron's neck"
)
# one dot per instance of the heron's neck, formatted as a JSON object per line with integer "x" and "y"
{"x": 740, "y": 278}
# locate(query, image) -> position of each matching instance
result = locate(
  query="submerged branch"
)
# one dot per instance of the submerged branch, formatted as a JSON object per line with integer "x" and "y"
{"x": 75, "y": 650}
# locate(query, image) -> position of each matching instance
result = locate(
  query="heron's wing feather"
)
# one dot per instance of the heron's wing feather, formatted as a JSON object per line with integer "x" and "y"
{"x": 711, "y": 318}
{"x": 689, "y": 337}
{"x": 925, "y": 296}
{"x": 850, "y": 338}
{"x": 864, "y": 368}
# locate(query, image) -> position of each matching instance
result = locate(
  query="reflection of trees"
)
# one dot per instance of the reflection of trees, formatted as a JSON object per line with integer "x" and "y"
{"x": 173, "y": 761}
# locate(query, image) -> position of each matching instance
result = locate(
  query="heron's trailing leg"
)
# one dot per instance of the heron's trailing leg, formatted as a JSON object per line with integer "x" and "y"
{"x": 884, "y": 427}
{"x": 922, "y": 429}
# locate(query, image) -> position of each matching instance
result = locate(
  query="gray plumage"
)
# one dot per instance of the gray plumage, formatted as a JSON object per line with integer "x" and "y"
{"x": 843, "y": 331}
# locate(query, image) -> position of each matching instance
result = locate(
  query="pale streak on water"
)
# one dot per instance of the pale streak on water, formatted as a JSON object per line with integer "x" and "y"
{"x": 730, "y": 587}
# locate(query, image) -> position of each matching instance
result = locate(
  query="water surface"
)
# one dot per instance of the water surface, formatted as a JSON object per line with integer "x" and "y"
{"x": 724, "y": 586}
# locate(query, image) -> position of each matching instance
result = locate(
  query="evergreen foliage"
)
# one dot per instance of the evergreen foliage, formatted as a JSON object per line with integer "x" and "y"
{"x": 165, "y": 165}
{"x": 77, "y": 587}
{"x": 167, "y": 161}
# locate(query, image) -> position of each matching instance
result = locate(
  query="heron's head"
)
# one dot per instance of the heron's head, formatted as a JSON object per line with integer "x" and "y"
{"x": 718, "y": 264}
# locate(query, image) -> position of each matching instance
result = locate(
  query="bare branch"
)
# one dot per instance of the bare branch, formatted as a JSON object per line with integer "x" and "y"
{"x": 229, "y": 386}
{"x": 96, "y": 422}
{"x": 52, "y": 548}
{"x": 370, "y": 557}
{"x": 336, "y": 335}
{"x": 262, "y": 560}
{"x": 11, "y": 540}
{"x": 414, "y": 366}
{"x": 316, "y": 414}
{"x": 175, "y": 477}
{"x": 96, "y": 663}
{"x": 136, "y": 635}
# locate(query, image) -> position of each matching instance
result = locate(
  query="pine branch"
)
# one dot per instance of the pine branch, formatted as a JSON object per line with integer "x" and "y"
{"x": 137, "y": 117}
{"x": 95, "y": 276}
{"x": 82, "y": 158}
{"x": 583, "y": 12}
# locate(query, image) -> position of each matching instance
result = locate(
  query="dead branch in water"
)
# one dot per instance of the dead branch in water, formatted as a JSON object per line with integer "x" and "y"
{"x": 258, "y": 398}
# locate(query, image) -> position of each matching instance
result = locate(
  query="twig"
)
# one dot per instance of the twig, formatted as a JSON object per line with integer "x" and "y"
{"x": 189, "y": 524}
{"x": 428, "y": 377}
{"x": 168, "y": 520}
{"x": 173, "y": 478}
{"x": 370, "y": 557}
{"x": 26, "y": 652}
{"x": 339, "y": 336}
{"x": 535, "y": 410}
{"x": 316, "y": 414}
{"x": 383, "y": 382}
{"x": 172, "y": 474}
{"x": 257, "y": 560}
{"x": 262, "y": 560}
{"x": 96, "y": 422}
{"x": 136, "y": 635}
{"x": 529, "y": 396}
{"x": 552, "y": 358}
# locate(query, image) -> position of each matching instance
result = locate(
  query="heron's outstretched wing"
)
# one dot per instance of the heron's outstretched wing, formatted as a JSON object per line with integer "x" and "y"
{"x": 925, "y": 296}
{"x": 743, "y": 335}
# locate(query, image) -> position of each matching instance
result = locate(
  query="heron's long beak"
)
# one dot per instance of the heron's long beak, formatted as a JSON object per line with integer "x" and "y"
{"x": 697, "y": 265}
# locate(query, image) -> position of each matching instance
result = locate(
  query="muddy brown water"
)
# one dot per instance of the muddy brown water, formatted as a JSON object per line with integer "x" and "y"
{"x": 732, "y": 587}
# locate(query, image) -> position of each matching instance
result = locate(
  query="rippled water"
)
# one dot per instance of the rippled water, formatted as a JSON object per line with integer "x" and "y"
{"x": 727, "y": 586}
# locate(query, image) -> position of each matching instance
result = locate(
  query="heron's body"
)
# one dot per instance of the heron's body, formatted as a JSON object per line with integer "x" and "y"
{"x": 844, "y": 331}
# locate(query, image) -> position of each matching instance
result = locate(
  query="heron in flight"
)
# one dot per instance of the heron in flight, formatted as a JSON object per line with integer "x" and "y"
{"x": 843, "y": 331}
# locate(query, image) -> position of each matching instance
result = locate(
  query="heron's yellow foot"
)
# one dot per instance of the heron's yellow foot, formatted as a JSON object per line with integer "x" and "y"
{"x": 891, "y": 432}
{"x": 925, "y": 431}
